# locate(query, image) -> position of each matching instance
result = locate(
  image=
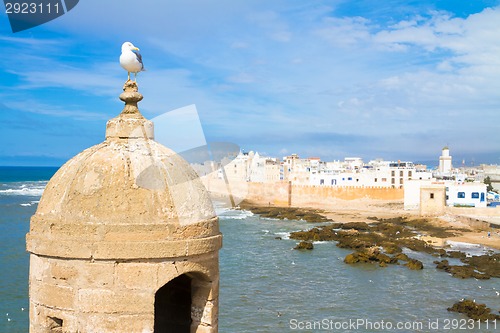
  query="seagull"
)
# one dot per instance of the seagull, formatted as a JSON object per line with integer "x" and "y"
{"x": 131, "y": 59}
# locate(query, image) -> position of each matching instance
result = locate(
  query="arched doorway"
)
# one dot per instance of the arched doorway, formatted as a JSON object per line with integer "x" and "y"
{"x": 173, "y": 306}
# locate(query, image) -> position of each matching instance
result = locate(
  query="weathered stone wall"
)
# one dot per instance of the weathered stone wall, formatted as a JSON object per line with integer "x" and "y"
{"x": 113, "y": 296}
{"x": 281, "y": 193}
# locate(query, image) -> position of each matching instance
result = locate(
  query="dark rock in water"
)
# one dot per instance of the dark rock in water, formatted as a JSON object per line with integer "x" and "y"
{"x": 363, "y": 255}
{"x": 441, "y": 252}
{"x": 384, "y": 258}
{"x": 392, "y": 230}
{"x": 462, "y": 272}
{"x": 334, "y": 225}
{"x": 487, "y": 264}
{"x": 391, "y": 248}
{"x": 278, "y": 238}
{"x": 417, "y": 245}
{"x": 351, "y": 258}
{"x": 479, "y": 267}
{"x": 356, "y": 226}
{"x": 414, "y": 264}
{"x": 304, "y": 246}
{"x": 315, "y": 234}
{"x": 456, "y": 254}
{"x": 372, "y": 254}
{"x": 474, "y": 310}
{"x": 443, "y": 264}
{"x": 290, "y": 213}
{"x": 402, "y": 257}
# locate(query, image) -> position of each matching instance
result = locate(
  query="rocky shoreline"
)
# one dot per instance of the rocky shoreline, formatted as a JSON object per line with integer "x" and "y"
{"x": 474, "y": 310}
{"x": 381, "y": 241}
{"x": 290, "y": 213}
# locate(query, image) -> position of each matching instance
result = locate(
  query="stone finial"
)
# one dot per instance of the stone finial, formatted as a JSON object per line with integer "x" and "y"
{"x": 130, "y": 123}
{"x": 131, "y": 97}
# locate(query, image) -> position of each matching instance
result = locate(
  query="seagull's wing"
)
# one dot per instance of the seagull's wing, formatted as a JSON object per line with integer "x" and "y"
{"x": 139, "y": 57}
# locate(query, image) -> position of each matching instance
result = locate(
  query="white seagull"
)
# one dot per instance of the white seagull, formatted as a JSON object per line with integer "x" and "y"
{"x": 131, "y": 59}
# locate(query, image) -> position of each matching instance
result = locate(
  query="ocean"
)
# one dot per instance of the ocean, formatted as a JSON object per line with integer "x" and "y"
{"x": 266, "y": 285}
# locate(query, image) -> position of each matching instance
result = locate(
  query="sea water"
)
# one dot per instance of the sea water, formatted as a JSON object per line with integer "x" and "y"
{"x": 266, "y": 285}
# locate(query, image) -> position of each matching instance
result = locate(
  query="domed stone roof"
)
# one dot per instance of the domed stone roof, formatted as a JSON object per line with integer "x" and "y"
{"x": 128, "y": 197}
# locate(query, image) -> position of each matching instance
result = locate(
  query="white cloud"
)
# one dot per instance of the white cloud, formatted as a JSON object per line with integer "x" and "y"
{"x": 254, "y": 68}
{"x": 36, "y": 107}
{"x": 345, "y": 31}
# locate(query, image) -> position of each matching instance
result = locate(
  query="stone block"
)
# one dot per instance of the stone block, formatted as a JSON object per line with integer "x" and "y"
{"x": 142, "y": 323}
{"x": 116, "y": 302}
{"x": 210, "y": 312}
{"x": 136, "y": 276}
{"x": 201, "y": 328}
{"x": 53, "y": 295}
{"x": 40, "y": 244}
{"x": 38, "y": 267}
{"x": 97, "y": 274}
{"x": 63, "y": 270}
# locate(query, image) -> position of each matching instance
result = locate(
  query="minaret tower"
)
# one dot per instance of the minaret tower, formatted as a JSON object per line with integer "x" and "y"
{"x": 445, "y": 165}
{"x": 125, "y": 239}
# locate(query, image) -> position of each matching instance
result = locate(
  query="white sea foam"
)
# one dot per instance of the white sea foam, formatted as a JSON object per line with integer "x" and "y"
{"x": 31, "y": 203}
{"x": 34, "y": 189}
{"x": 469, "y": 248}
{"x": 462, "y": 245}
{"x": 235, "y": 214}
{"x": 283, "y": 235}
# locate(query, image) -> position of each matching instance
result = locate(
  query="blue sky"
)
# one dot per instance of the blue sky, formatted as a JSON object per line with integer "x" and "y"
{"x": 375, "y": 79}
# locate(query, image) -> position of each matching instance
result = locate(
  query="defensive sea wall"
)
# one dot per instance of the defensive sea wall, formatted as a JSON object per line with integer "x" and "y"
{"x": 288, "y": 194}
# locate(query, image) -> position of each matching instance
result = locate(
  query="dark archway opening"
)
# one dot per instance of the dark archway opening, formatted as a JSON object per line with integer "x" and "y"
{"x": 173, "y": 306}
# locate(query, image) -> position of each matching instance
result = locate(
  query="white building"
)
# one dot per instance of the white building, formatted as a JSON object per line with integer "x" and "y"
{"x": 412, "y": 192}
{"x": 374, "y": 174}
{"x": 264, "y": 169}
{"x": 445, "y": 165}
{"x": 237, "y": 169}
{"x": 466, "y": 194}
{"x": 457, "y": 194}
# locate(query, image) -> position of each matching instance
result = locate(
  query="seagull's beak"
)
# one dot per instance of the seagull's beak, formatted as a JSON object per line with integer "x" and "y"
{"x": 136, "y": 48}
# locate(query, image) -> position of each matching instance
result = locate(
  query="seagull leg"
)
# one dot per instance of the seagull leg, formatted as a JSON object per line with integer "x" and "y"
{"x": 128, "y": 78}
{"x": 135, "y": 77}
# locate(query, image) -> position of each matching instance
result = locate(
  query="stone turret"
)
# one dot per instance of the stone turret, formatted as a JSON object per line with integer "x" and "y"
{"x": 125, "y": 239}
